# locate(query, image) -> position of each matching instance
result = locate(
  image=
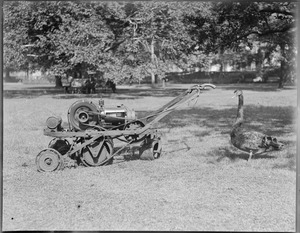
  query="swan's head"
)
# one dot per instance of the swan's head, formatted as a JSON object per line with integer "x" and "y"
{"x": 237, "y": 93}
{"x": 272, "y": 142}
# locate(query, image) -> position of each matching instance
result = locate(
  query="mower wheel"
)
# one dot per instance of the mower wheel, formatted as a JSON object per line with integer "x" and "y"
{"x": 96, "y": 153}
{"x": 151, "y": 151}
{"x": 49, "y": 160}
{"x": 61, "y": 145}
{"x": 156, "y": 149}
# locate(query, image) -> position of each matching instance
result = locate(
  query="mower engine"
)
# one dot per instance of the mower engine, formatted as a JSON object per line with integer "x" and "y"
{"x": 84, "y": 114}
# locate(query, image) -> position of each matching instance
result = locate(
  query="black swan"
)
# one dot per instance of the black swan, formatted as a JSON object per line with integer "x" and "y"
{"x": 251, "y": 142}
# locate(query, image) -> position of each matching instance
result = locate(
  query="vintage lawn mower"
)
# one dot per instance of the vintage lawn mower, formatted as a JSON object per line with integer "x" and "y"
{"x": 95, "y": 135}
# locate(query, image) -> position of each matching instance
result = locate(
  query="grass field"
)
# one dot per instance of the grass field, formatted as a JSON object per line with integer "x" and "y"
{"x": 200, "y": 183}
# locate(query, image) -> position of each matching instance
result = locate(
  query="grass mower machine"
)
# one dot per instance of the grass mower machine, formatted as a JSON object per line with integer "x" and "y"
{"x": 95, "y": 135}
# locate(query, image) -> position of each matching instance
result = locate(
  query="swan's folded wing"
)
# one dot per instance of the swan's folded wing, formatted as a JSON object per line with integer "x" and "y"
{"x": 249, "y": 140}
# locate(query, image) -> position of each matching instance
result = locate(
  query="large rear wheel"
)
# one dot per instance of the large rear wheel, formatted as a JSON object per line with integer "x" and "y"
{"x": 97, "y": 153}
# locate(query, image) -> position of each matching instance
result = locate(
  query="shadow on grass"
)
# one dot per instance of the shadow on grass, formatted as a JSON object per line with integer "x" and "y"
{"x": 124, "y": 93}
{"x": 31, "y": 91}
{"x": 271, "y": 120}
{"x": 259, "y": 87}
{"x": 290, "y": 164}
{"x": 267, "y": 119}
{"x": 226, "y": 152}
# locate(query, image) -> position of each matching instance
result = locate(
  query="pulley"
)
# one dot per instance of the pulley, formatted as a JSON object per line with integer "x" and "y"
{"x": 82, "y": 115}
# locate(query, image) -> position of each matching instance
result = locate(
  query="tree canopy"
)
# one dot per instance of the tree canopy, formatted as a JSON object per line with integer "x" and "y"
{"x": 239, "y": 26}
{"x": 138, "y": 39}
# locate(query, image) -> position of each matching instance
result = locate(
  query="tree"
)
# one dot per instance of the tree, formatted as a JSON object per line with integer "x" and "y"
{"x": 154, "y": 37}
{"x": 55, "y": 36}
{"x": 118, "y": 38}
{"x": 27, "y": 26}
{"x": 14, "y": 29}
{"x": 133, "y": 39}
{"x": 269, "y": 24}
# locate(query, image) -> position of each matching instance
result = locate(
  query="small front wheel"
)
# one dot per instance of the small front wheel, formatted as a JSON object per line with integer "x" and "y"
{"x": 150, "y": 149}
{"x": 156, "y": 149}
{"x": 49, "y": 160}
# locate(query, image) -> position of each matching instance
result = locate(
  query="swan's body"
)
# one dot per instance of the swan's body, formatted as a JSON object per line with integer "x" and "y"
{"x": 251, "y": 142}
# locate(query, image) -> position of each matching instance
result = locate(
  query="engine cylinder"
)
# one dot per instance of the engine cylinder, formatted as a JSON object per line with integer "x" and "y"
{"x": 117, "y": 116}
{"x": 53, "y": 122}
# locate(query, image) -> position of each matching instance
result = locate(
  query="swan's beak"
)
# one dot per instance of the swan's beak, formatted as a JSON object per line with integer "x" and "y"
{"x": 235, "y": 94}
{"x": 277, "y": 146}
{"x": 274, "y": 143}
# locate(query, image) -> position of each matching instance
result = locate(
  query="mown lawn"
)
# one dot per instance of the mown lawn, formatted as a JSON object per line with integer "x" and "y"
{"x": 200, "y": 183}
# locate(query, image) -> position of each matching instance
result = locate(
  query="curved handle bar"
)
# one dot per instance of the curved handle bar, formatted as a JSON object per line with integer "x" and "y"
{"x": 203, "y": 86}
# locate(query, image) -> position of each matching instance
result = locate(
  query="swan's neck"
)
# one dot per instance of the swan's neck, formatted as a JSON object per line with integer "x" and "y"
{"x": 240, "y": 113}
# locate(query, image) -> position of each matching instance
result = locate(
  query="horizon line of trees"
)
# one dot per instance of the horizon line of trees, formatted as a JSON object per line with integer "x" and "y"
{"x": 139, "y": 39}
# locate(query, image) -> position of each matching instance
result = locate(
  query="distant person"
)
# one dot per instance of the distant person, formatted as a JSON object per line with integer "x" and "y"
{"x": 112, "y": 85}
{"x": 93, "y": 85}
{"x": 70, "y": 80}
{"x": 90, "y": 86}
{"x": 66, "y": 82}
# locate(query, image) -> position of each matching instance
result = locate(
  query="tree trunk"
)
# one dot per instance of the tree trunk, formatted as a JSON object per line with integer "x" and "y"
{"x": 221, "y": 52}
{"x": 282, "y": 66}
{"x": 164, "y": 83}
{"x": 221, "y": 70}
{"x": 58, "y": 81}
{"x": 259, "y": 62}
{"x": 281, "y": 81}
{"x": 152, "y": 78}
{"x": 153, "y": 61}
{"x": 6, "y": 74}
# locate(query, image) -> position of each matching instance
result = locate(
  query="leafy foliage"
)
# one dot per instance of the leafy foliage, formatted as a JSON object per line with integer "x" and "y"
{"x": 136, "y": 39}
{"x": 238, "y": 26}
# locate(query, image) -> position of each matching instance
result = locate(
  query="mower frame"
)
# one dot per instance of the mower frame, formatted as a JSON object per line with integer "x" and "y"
{"x": 68, "y": 146}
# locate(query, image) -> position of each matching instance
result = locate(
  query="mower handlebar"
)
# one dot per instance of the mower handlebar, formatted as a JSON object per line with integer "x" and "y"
{"x": 203, "y": 86}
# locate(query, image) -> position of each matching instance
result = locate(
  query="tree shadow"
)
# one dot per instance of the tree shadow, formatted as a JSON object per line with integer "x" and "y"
{"x": 271, "y": 120}
{"x": 125, "y": 93}
{"x": 129, "y": 93}
{"x": 259, "y": 87}
{"x": 32, "y": 92}
{"x": 267, "y": 119}
{"x": 120, "y": 94}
